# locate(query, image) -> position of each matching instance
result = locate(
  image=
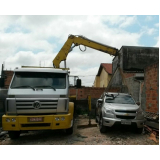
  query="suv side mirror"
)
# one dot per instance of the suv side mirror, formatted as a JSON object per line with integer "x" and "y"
{"x": 1, "y": 82}
{"x": 138, "y": 103}
{"x": 78, "y": 83}
{"x": 100, "y": 100}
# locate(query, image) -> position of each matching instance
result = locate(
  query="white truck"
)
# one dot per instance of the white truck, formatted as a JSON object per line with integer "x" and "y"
{"x": 38, "y": 97}
{"x": 38, "y": 100}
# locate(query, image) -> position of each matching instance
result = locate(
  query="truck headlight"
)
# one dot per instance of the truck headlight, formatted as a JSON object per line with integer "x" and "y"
{"x": 13, "y": 120}
{"x": 62, "y": 118}
{"x": 7, "y": 119}
{"x": 57, "y": 118}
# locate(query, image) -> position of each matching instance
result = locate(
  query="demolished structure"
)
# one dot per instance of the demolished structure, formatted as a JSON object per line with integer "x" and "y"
{"x": 136, "y": 71}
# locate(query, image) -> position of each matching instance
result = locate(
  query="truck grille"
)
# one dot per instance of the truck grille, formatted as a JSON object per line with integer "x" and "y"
{"x": 29, "y": 107}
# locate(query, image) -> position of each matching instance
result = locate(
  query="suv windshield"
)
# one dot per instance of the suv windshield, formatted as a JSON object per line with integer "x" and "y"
{"x": 120, "y": 99}
{"x": 39, "y": 80}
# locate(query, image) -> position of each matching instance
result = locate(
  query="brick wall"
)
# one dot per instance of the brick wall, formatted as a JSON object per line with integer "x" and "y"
{"x": 8, "y": 76}
{"x": 128, "y": 75}
{"x": 114, "y": 89}
{"x": 152, "y": 88}
{"x": 83, "y": 92}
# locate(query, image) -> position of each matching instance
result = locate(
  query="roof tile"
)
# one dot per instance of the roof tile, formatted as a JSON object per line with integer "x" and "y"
{"x": 107, "y": 67}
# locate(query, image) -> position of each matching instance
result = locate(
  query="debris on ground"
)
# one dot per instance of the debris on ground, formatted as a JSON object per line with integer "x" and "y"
{"x": 154, "y": 133}
{"x": 79, "y": 135}
{"x": 87, "y": 136}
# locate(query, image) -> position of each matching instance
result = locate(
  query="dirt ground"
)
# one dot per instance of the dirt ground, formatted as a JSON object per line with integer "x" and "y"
{"x": 87, "y": 136}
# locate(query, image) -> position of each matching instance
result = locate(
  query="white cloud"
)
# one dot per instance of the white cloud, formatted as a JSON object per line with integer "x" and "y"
{"x": 157, "y": 44}
{"x": 148, "y": 18}
{"x": 151, "y": 31}
{"x": 157, "y": 25}
{"x": 28, "y": 58}
{"x": 122, "y": 21}
{"x": 17, "y": 48}
{"x": 128, "y": 21}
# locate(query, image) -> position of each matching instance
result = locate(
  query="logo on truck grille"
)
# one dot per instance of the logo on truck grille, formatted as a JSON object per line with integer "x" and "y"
{"x": 36, "y": 105}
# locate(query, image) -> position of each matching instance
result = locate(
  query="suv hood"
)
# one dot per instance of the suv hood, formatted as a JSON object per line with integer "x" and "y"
{"x": 116, "y": 106}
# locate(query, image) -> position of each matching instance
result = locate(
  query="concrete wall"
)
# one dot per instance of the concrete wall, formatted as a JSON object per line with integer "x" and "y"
{"x": 134, "y": 88}
{"x": 136, "y": 58}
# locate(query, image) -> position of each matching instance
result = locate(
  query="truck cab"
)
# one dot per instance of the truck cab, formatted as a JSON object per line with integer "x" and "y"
{"x": 38, "y": 100}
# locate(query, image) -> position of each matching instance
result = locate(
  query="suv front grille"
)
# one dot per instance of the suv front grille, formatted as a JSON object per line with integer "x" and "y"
{"x": 123, "y": 111}
{"x": 125, "y": 117}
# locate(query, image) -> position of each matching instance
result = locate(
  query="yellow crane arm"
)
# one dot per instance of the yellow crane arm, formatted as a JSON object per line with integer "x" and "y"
{"x": 80, "y": 40}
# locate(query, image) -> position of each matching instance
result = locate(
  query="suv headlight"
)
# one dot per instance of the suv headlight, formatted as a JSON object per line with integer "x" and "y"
{"x": 108, "y": 111}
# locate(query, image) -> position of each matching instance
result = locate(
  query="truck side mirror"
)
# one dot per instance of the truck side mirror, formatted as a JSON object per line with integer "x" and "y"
{"x": 78, "y": 83}
{"x": 1, "y": 82}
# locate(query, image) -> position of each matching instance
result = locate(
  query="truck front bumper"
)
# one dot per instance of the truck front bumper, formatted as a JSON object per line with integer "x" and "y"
{"x": 112, "y": 121}
{"x": 48, "y": 122}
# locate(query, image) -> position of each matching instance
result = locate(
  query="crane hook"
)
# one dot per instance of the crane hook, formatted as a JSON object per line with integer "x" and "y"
{"x": 81, "y": 49}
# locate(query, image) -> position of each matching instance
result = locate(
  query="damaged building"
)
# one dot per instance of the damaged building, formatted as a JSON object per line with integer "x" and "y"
{"x": 136, "y": 71}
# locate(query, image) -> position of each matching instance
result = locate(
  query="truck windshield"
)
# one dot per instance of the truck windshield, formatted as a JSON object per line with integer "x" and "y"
{"x": 120, "y": 99}
{"x": 39, "y": 80}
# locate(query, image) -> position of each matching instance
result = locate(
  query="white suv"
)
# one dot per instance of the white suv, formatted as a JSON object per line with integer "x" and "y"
{"x": 118, "y": 108}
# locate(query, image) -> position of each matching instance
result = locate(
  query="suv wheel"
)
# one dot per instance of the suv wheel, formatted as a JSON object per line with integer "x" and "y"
{"x": 14, "y": 134}
{"x": 102, "y": 128}
{"x": 96, "y": 116}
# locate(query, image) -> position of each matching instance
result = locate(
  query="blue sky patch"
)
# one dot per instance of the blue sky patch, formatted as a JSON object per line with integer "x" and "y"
{"x": 16, "y": 28}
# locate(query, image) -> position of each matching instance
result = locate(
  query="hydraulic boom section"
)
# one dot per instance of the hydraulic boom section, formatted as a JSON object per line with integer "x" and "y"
{"x": 77, "y": 41}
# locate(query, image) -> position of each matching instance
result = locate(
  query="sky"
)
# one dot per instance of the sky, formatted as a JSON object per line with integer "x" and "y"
{"x": 35, "y": 40}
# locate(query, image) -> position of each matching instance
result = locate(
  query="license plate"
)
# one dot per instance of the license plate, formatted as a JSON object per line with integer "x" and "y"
{"x": 126, "y": 122}
{"x": 35, "y": 119}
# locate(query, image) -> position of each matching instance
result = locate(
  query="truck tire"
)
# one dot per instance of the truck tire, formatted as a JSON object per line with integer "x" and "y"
{"x": 14, "y": 134}
{"x": 69, "y": 131}
{"x": 102, "y": 128}
{"x": 139, "y": 130}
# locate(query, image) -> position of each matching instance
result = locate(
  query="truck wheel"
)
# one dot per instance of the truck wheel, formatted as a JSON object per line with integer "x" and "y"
{"x": 102, "y": 128}
{"x": 69, "y": 131}
{"x": 14, "y": 134}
